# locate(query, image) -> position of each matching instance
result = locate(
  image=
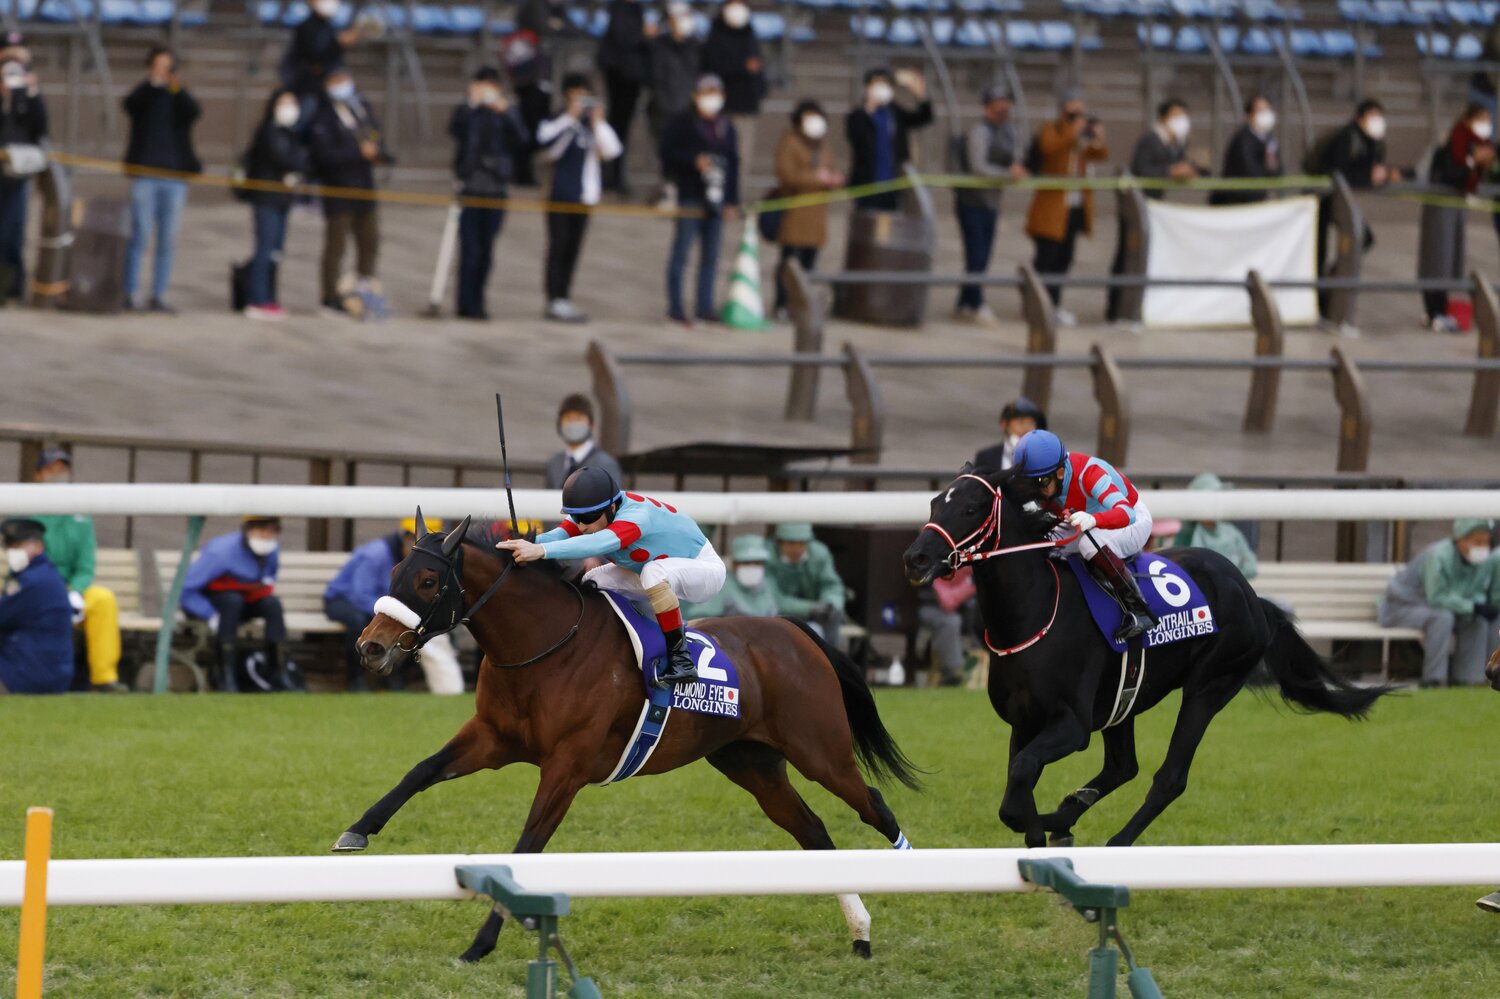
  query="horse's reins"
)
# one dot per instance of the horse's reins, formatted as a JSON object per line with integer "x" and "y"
{"x": 970, "y": 550}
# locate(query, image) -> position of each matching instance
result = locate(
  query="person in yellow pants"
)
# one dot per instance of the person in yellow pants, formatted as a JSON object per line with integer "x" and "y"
{"x": 71, "y": 546}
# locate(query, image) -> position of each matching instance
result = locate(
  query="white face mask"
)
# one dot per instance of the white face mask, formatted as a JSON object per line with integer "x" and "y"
{"x": 683, "y": 25}
{"x": 1478, "y": 555}
{"x": 1178, "y": 126}
{"x": 814, "y": 126}
{"x": 1264, "y": 121}
{"x": 750, "y": 576}
{"x": 1482, "y": 130}
{"x": 287, "y": 114}
{"x": 575, "y": 431}
{"x": 342, "y": 91}
{"x": 260, "y": 545}
{"x": 17, "y": 559}
{"x": 736, "y": 15}
{"x": 58, "y": 478}
{"x": 880, "y": 92}
{"x": 328, "y": 8}
{"x": 14, "y": 77}
{"x": 489, "y": 95}
{"x": 710, "y": 103}
{"x": 1374, "y": 127}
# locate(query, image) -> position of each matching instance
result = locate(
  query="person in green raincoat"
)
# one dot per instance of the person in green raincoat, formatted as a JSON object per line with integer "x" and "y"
{"x": 1218, "y": 535}
{"x": 811, "y": 589}
{"x": 1451, "y": 591}
{"x": 748, "y": 591}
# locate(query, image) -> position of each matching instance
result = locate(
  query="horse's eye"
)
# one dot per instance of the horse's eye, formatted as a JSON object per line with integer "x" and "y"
{"x": 973, "y": 510}
{"x": 428, "y": 584}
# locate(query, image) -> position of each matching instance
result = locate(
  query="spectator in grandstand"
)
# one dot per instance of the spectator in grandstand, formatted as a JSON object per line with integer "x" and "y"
{"x": 1159, "y": 154}
{"x": 578, "y": 143}
{"x": 1458, "y": 164}
{"x": 350, "y": 600}
{"x": 344, "y": 142}
{"x": 1019, "y": 417}
{"x": 1253, "y": 152}
{"x": 732, "y": 53}
{"x": 489, "y": 141}
{"x": 879, "y": 132}
{"x": 575, "y": 425}
{"x": 749, "y": 591}
{"x": 700, "y": 156}
{"x": 233, "y": 580}
{"x": 23, "y": 123}
{"x": 528, "y": 64}
{"x": 624, "y": 57}
{"x": 1451, "y": 591}
{"x": 674, "y": 71}
{"x": 804, "y": 165}
{"x": 1355, "y": 151}
{"x": 807, "y": 580}
{"x": 1217, "y": 535}
{"x": 1066, "y": 147}
{"x": 276, "y": 156}
{"x": 990, "y": 150}
{"x": 944, "y": 609}
{"x": 72, "y": 548}
{"x": 36, "y": 620}
{"x": 162, "y": 114}
{"x": 1483, "y": 84}
{"x": 316, "y": 50}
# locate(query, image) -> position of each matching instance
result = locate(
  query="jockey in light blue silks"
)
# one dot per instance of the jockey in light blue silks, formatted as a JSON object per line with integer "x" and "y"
{"x": 655, "y": 553}
{"x": 1094, "y": 497}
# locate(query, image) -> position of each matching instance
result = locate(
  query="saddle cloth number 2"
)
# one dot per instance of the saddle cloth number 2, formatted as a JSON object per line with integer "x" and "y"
{"x": 706, "y": 656}
{"x": 1169, "y": 585}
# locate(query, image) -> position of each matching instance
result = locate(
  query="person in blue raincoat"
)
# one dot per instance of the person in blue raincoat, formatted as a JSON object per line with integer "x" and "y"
{"x": 233, "y": 580}
{"x": 36, "y": 619}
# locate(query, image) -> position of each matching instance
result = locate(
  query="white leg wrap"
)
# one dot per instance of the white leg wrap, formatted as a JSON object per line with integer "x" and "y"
{"x": 856, "y": 916}
{"x": 901, "y": 843}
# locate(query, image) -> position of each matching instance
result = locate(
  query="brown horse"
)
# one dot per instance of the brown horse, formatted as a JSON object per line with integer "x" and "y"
{"x": 567, "y": 699}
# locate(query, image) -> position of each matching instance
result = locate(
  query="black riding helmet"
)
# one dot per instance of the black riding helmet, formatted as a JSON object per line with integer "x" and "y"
{"x": 1022, "y": 406}
{"x": 589, "y": 491}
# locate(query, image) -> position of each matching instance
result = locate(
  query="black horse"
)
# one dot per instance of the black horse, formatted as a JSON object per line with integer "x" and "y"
{"x": 1055, "y": 678}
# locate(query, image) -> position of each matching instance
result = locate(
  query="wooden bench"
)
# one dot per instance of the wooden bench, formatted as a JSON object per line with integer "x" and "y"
{"x": 1335, "y": 600}
{"x": 120, "y": 571}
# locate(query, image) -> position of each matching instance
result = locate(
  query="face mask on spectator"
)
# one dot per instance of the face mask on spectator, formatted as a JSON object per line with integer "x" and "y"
{"x": 1482, "y": 129}
{"x": 14, "y": 76}
{"x": 489, "y": 95}
{"x": 17, "y": 559}
{"x": 1478, "y": 555}
{"x": 1178, "y": 125}
{"x": 683, "y": 25}
{"x": 750, "y": 576}
{"x": 736, "y": 15}
{"x": 286, "y": 114}
{"x": 710, "y": 103}
{"x": 328, "y": 8}
{"x": 575, "y": 431}
{"x": 880, "y": 92}
{"x": 1375, "y": 127}
{"x": 58, "y": 478}
{"x": 341, "y": 91}
{"x": 1264, "y": 121}
{"x": 814, "y": 126}
{"x": 260, "y": 545}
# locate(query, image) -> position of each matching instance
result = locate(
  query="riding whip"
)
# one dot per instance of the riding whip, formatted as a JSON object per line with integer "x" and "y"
{"x": 515, "y": 528}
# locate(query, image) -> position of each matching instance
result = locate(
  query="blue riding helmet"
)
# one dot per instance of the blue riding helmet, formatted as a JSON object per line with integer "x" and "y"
{"x": 1039, "y": 453}
{"x": 589, "y": 490}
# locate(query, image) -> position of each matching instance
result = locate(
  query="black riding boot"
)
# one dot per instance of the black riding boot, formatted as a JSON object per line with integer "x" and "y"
{"x": 1120, "y": 584}
{"x": 223, "y": 678}
{"x": 680, "y": 667}
{"x": 279, "y": 676}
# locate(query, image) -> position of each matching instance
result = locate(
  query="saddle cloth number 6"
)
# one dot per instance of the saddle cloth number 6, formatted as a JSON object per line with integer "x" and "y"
{"x": 1169, "y": 585}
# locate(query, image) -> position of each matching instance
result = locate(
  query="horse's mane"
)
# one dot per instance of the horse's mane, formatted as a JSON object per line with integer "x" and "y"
{"x": 1036, "y": 523}
{"x": 484, "y": 536}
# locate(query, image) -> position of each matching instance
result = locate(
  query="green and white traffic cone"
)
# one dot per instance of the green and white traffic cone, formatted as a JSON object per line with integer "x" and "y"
{"x": 745, "y": 309}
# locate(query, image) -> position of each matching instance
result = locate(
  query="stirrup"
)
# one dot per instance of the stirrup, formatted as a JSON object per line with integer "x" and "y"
{"x": 679, "y": 668}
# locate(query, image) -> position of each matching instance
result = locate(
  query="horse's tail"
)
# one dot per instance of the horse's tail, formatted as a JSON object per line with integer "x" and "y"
{"x": 1305, "y": 679}
{"x": 873, "y": 745}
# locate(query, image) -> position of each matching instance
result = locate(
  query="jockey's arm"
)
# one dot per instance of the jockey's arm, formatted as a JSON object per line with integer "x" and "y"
{"x": 620, "y": 534}
{"x": 1109, "y": 506}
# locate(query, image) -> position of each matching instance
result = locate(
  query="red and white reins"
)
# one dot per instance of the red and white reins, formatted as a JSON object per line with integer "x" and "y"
{"x": 968, "y": 550}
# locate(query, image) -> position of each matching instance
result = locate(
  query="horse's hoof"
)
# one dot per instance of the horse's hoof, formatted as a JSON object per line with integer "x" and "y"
{"x": 472, "y": 956}
{"x": 1060, "y": 841}
{"x": 351, "y": 842}
{"x": 862, "y": 949}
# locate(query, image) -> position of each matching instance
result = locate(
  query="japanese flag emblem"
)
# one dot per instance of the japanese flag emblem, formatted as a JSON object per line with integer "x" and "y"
{"x": 1202, "y": 615}
{"x": 731, "y": 694}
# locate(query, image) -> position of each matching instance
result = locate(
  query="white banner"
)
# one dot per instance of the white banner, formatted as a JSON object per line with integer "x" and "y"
{"x": 1277, "y": 238}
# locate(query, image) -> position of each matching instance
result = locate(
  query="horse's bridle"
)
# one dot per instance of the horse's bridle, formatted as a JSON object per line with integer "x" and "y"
{"x": 971, "y": 549}
{"x": 452, "y": 586}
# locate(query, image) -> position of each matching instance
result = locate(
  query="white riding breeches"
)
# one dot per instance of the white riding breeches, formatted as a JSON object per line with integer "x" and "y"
{"x": 693, "y": 579}
{"x": 1126, "y": 542}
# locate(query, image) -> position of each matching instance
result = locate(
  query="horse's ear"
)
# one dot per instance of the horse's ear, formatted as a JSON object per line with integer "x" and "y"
{"x": 421, "y": 524}
{"x": 455, "y": 538}
{"x": 968, "y": 467}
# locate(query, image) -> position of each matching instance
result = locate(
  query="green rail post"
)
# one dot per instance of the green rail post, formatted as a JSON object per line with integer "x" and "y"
{"x": 169, "y": 606}
{"x": 1096, "y": 904}
{"x": 534, "y": 910}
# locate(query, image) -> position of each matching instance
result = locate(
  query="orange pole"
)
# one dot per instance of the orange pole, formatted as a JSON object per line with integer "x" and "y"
{"x": 34, "y": 904}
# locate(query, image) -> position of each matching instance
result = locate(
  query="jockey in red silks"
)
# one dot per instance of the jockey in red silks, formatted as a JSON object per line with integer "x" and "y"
{"x": 1097, "y": 500}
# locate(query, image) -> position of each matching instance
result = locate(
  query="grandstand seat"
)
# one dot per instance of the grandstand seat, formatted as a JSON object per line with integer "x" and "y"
{"x": 1022, "y": 35}
{"x": 1190, "y": 41}
{"x": 1307, "y": 43}
{"x": 1466, "y": 13}
{"x": 430, "y": 19}
{"x": 63, "y": 12}
{"x": 1057, "y": 36}
{"x": 1159, "y": 35}
{"x": 942, "y": 29}
{"x": 1468, "y": 48}
{"x": 1433, "y": 46}
{"x": 1334, "y": 600}
{"x": 868, "y": 27}
{"x": 1257, "y": 42}
{"x": 500, "y": 26}
{"x": 22, "y": 9}
{"x": 1389, "y": 13}
{"x": 1338, "y": 44}
{"x": 971, "y": 35}
{"x": 1430, "y": 11}
{"x": 768, "y": 26}
{"x": 902, "y": 31}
